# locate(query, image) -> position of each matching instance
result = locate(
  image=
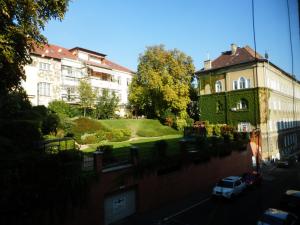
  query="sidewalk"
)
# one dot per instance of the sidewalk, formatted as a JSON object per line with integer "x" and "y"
{"x": 167, "y": 211}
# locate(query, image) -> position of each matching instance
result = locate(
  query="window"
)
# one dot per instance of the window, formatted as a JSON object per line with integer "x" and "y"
{"x": 242, "y": 83}
{"x": 128, "y": 81}
{"x": 235, "y": 85}
{"x": 242, "y": 104}
{"x": 218, "y": 86}
{"x": 43, "y": 89}
{"x": 44, "y": 66}
{"x": 244, "y": 127}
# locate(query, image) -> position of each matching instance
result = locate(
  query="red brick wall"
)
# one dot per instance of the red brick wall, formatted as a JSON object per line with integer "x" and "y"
{"x": 154, "y": 191}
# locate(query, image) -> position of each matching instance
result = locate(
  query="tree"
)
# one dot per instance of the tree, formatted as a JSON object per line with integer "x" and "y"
{"x": 106, "y": 105}
{"x": 20, "y": 25}
{"x": 162, "y": 82}
{"x": 86, "y": 95}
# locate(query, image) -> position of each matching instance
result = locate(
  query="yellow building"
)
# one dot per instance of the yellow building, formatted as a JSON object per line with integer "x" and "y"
{"x": 244, "y": 89}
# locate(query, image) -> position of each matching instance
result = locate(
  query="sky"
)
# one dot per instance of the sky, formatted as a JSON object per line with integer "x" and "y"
{"x": 202, "y": 29}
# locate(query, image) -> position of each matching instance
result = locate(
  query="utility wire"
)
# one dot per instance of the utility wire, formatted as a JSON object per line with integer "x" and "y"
{"x": 290, "y": 34}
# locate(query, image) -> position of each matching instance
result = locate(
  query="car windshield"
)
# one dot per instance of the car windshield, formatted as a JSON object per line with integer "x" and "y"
{"x": 226, "y": 184}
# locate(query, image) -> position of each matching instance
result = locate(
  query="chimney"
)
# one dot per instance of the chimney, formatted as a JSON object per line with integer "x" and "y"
{"x": 207, "y": 64}
{"x": 233, "y": 49}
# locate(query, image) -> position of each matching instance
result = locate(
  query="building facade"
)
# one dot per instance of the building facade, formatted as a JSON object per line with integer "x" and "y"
{"x": 55, "y": 73}
{"x": 244, "y": 89}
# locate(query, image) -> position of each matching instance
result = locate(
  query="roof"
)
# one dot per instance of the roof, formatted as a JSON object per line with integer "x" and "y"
{"x": 58, "y": 52}
{"x": 87, "y": 50}
{"x": 242, "y": 55}
{"x": 116, "y": 66}
{"x": 53, "y": 51}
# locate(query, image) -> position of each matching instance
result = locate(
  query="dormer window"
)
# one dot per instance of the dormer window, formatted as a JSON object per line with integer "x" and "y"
{"x": 218, "y": 86}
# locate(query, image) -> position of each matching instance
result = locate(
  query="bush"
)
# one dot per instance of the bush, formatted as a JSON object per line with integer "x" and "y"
{"x": 189, "y": 122}
{"x": 23, "y": 132}
{"x": 167, "y": 118}
{"x": 89, "y": 139}
{"x": 85, "y": 125}
{"x": 180, "y": 124}
{"x": 101, "y": 135}
{"x": 61, "y": 107}
{"x": 120, "y": 135}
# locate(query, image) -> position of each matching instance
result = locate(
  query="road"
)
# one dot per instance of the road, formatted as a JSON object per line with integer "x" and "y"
{"x": 245, "y": 209}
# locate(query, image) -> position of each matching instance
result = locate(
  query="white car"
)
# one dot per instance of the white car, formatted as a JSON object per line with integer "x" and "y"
{"x": 277, "y": 217}
{"x": 229, "y": 187}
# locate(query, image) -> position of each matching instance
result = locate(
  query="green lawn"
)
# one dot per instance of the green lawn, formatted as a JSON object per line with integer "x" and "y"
{"x": 140, "y": 127}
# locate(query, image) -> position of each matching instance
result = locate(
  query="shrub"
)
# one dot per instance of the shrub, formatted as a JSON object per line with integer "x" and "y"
{"x": 23, "y": 132}
{"x": 85, "y": 125}
{"x": 89, "y": 139}
{"x": 180, "y": 124}
{"x": 61, "y": 107}
{"x": 101, "y": 135}
{"x": 120, "y": 135}
{"x": 167, "y": 118}
{"x": 189, "y": 122}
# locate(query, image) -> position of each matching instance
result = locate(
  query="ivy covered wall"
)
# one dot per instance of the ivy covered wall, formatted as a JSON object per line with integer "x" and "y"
{"x": 230, "y": 114}
{"x": 210, "y": 80}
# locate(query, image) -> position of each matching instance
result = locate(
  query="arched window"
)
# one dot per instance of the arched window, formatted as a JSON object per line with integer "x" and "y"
{"x": 242, "y": 104}
{"x": 242, "y": 83}
{"x": 218, "y": 86}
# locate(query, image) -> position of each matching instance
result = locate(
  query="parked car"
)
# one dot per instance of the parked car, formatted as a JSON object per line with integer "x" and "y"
{"x": 252, "y": 178}
{"x": 290, "y": 201}
{"x": 229, "y": 187}
{"x": 285, "y": 163}
{"x": 277, "y": 217}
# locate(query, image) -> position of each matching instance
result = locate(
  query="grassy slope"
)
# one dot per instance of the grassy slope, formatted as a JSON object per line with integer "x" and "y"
{"x": 140, "y": 127}
{"x": 145, "y": 133}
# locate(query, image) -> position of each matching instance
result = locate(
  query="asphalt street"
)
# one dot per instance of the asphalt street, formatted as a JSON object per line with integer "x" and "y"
{"x": 245, "y": 209}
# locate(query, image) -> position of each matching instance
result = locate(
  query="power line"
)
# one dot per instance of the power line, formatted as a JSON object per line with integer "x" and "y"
{"x": 290, "y": 34}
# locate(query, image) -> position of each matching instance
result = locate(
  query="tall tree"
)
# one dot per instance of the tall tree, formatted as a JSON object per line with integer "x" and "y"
{"x": 162, "y": 82}
{"x": 86, "y": 95}
{"x": 106, "y": 105}
{"x": 21, "y": 23}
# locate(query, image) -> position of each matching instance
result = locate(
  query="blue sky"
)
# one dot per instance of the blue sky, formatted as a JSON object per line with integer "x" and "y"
{"x": 123, "y": 28}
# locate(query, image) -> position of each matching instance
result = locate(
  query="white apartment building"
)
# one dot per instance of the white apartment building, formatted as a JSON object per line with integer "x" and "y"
{"x": 55, "y": 72}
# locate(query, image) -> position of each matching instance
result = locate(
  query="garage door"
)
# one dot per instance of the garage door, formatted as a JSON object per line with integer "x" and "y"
{"x": 119, "y": 206}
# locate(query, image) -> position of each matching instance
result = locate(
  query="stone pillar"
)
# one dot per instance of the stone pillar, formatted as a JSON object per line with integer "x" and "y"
{"x": 98, "y": 161}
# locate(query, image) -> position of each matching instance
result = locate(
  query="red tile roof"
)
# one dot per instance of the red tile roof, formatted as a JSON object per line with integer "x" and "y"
{"x": 53, "y": 51}
{"x": 116, "y": 66}
{"x": 57, "y": 52}
{"x": 242, "y": 55}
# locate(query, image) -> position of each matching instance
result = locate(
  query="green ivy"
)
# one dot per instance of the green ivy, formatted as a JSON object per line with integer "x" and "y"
{"x": 210, "y": 80}
{"x": 229, "y": 100}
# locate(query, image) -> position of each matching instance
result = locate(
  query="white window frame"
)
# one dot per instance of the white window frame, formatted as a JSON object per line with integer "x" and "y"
{"x": 44, "y": 89}
{"x": 44, "y": 66}
{"x": 218, "y": 86}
